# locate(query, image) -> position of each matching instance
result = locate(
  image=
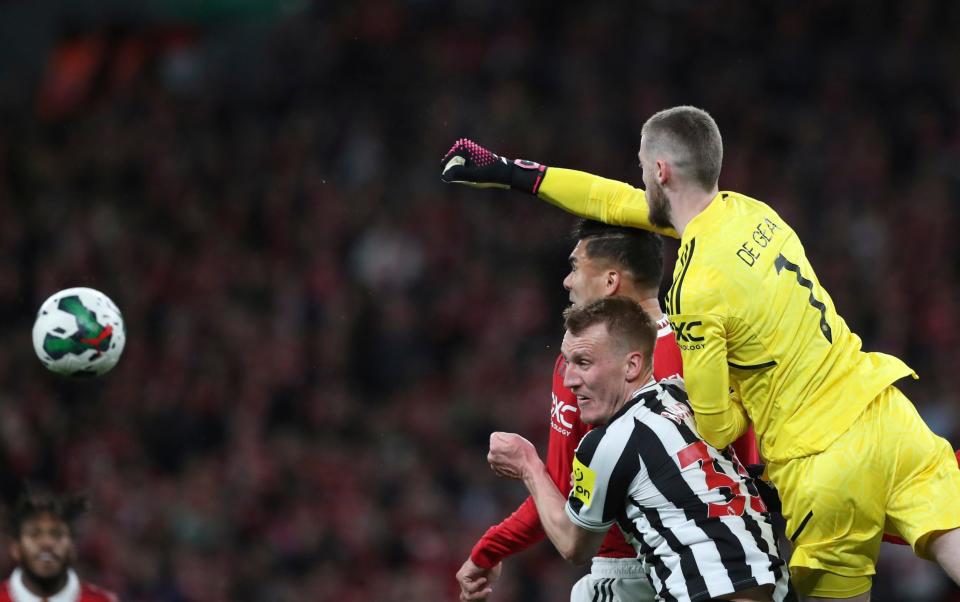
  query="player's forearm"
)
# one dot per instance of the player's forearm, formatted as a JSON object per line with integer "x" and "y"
{"x": 597, "y": 198}
{"x": 564, "y": 535}
{"x": 514, "y": 534}
{"x": 720, "y": 429}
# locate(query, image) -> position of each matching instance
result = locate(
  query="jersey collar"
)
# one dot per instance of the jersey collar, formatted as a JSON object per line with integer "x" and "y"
{"x": 20, "y": 593}
{"x": 707, "y": 219}
{"x": 649, "y": 390}
{"x": 663, "y": 326}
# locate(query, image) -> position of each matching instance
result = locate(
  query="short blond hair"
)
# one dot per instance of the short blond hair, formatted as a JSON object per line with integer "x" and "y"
{"x": 690, "y": 139}
{"x": 628, "y": 325}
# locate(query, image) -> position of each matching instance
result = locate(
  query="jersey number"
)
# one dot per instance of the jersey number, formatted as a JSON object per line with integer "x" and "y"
{"x": 697, "y": 452}
{"x": 782, "y": 263}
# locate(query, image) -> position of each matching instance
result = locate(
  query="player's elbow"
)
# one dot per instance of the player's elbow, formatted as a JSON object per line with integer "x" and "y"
{"x": 717, "y": 433}
{"x": 576, "y": 548}
{"x": 718, "y": 440}
{"x": 576, "y": 554}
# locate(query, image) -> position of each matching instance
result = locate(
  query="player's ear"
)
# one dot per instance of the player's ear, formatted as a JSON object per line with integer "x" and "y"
{"x": 635, "y": 365}
{"x": 664, "y": 172}
{"x": 612, "y": 282}
{"x": 14, "y": 551}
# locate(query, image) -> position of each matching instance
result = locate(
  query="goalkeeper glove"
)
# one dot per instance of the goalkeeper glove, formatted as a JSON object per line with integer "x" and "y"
{"x": 469, "y": 163}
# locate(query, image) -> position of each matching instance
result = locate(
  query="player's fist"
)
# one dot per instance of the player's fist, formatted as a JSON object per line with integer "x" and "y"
{"x": 511, "y": 455}
{"x": 469, "y": 163}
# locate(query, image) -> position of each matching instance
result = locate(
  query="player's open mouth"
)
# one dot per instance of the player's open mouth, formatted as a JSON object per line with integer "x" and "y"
{"x": 47, "y": 557}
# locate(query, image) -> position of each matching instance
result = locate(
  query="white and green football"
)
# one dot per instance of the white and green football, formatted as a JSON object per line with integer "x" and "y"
{"x": 79, "y": 332}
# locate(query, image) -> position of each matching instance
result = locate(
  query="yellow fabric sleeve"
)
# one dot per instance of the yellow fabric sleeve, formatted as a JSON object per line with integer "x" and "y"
{"x": 721, "y": 420}
{"x": 593, "y": 197}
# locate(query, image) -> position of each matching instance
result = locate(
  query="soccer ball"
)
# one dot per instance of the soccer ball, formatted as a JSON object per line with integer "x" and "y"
{"x": 79, "y": 332}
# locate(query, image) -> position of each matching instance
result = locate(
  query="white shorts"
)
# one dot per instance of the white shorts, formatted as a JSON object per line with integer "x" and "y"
{"x": 613, "y": 580}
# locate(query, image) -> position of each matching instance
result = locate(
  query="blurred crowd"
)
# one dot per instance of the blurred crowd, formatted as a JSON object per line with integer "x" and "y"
{"x": 321, "y": 335}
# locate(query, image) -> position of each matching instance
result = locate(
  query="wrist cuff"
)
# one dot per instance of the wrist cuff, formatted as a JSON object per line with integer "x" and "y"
{"x": 527, "y": 175}
{"x": 483, "y": 558}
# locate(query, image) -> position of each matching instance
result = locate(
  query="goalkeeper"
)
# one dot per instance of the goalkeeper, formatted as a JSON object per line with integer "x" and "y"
{"x": 846, "y": 449}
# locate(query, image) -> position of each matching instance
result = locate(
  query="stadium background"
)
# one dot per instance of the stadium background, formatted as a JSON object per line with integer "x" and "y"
{"x": 322, "y": 335}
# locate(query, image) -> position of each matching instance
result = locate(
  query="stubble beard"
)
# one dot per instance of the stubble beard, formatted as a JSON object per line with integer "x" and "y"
{"x": 48, "y": 585}
{"x": 660, "y": 214}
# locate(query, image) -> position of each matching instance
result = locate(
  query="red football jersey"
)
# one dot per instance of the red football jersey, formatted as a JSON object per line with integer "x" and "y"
{"x": 75, "y": 591}
{"x": 522, "y": 528}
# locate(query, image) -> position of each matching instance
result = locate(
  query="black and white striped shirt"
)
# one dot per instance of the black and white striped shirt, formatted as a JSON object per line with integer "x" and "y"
{"x": 694, "y": 517}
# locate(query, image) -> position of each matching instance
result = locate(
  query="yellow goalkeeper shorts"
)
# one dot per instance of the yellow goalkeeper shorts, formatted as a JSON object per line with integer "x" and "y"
{"x": 888, "y": 472}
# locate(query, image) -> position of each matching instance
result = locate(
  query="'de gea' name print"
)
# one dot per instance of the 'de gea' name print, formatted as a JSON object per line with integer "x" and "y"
{"x": 760, "y": 238}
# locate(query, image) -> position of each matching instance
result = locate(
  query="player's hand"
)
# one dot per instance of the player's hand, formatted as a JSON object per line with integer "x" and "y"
{"x": 511, "y": 455}
{"x": 477, "y": 583}
{"x": 469, "y": 163}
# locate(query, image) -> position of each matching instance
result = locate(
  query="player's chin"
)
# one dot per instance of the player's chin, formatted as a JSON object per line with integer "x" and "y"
{"x": 48, "y": 569}
{"x": 586, "y": 409}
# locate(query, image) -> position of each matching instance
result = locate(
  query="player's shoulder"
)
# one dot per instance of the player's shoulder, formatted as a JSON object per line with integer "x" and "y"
{"x": 733, "y": 215}
{"x": 715, "y": 264}
{"x": 674, "y": 387}
{"x": 5, "y": 591}
{"x": 667, "y": 392}
{"x": 698, "y": 283}
{"x": 94, "y": 593}
{"x": 738, "y": 203}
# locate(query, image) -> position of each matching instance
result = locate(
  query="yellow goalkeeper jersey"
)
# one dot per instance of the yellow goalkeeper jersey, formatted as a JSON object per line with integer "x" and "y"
{"x": 749, "y": 315}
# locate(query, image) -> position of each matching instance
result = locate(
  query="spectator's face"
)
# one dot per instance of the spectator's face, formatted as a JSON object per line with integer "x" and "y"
{"x": 588, "y": 279}
{"x": 660, "y": 214}
{"x": 44, "y": 549}
{"x": 596, "y": 372}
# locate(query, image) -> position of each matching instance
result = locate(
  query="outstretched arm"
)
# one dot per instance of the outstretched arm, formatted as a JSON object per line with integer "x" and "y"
{"x": 593, "y": 197}
{"x": 576, "y": 192}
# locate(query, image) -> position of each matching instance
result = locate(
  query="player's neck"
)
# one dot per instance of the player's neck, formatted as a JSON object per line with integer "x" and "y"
{"x": 651, "y": 305}
{"x": 44, "y": 588}
{"x": 647, "y": 299}
{"x": 687, "y": 204}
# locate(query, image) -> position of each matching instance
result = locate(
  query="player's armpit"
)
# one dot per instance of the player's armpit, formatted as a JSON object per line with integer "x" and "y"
{"x": 600, "y": 199}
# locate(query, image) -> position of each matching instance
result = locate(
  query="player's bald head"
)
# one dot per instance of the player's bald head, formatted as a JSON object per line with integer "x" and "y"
{"x": 688, "y": 138}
